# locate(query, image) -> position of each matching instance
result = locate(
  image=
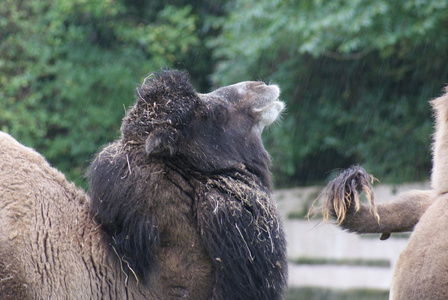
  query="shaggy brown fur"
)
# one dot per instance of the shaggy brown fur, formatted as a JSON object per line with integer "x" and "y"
{"x": 181, "y": 205}
{"x": 345, "y": 196}
{"x": 184, "y": 196}
{"x": 422, "y": 269}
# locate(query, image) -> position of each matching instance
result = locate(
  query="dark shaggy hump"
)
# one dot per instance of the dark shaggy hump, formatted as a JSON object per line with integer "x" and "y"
{"x": 164, "y": 99}
{"x": 122, "y": 180}
{"x": 118, "y": 205}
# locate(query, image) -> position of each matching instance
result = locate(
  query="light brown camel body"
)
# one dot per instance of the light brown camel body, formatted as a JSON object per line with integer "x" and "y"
{"x": 49, "y": 245}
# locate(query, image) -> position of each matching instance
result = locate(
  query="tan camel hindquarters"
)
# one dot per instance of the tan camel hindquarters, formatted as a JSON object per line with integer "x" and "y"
{"x": 12, "y": 285}
{"x": 42, "y": 242}
{"x": 422, "y": 268}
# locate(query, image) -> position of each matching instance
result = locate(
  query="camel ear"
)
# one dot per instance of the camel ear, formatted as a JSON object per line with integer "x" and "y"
{"x": 162, "y": 141}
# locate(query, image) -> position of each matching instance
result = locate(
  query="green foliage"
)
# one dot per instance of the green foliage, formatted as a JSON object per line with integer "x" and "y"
{"x": 68, "y": 68}
{"x": 356, "y": 76}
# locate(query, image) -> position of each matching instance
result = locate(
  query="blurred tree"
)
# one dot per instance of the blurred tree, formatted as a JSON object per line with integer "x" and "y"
{"x": 69, "y": 67}
{"x": 199, "y": 61}
{"x": 356, "y": 76}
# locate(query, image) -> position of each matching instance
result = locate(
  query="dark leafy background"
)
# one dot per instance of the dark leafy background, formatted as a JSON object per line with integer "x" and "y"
{"x": 356, "y": 75}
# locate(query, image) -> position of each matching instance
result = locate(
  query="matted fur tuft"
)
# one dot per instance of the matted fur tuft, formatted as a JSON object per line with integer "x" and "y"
{"x": 164, "y": 99}
{"x": 343, "y": 193}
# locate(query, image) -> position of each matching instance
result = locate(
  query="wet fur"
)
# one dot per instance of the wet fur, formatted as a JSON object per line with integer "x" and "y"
{"x": 344, "y": 191}
{"x": 180, "y": 180}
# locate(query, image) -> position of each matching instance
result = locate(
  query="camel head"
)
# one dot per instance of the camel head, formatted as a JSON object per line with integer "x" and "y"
{"x": 209, "y": 132}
